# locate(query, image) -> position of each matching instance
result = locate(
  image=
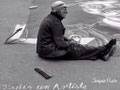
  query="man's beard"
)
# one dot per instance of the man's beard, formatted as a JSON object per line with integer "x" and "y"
{"x": 60, "y": 14}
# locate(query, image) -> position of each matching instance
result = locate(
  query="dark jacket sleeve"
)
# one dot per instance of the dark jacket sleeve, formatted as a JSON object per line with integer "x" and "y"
{"x": 58, "y": 35}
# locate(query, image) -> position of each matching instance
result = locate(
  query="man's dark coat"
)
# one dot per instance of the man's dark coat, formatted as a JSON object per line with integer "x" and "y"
{"x": 50, "y": 40}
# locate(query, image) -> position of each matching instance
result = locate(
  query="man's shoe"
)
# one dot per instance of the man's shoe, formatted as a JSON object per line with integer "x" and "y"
{"x": 106, "y": 57}
{"x": 113, "y": 50}
{"x": 111, "y": 43}
{"x": 108, "y": 46}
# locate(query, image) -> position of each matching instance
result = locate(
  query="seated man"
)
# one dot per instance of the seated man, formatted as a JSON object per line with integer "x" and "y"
{"x": 52, "y": 44}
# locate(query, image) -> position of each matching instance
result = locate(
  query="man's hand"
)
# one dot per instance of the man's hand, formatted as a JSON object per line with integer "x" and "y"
{"x": 72, "y": 41}
{"x": 75, "y": 38}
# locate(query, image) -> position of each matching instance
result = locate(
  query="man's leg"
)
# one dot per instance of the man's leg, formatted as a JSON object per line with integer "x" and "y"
{"x": 78, "y": 51}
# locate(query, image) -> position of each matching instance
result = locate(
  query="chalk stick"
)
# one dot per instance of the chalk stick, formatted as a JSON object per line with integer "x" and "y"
{"x": 41, "y": 72}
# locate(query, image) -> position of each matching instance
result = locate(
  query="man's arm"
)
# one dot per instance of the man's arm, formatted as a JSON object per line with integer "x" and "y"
{"x": 58, "y": 36}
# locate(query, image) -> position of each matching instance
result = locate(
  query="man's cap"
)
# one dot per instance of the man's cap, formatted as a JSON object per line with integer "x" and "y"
{"x": 58, "y": 4}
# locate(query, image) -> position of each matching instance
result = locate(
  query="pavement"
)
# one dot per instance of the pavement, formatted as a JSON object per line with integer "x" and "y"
{"x": 17, "y": 61}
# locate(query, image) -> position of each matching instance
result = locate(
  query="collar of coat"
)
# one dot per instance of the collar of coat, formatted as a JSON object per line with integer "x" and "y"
{"x": 57, "y": 15}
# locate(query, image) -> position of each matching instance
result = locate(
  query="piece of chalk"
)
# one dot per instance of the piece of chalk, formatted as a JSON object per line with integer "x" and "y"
{"x": 33, "y": 7}
{"x": 41, "y": 72}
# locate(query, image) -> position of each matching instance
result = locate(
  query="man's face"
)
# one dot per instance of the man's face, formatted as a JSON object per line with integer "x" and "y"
{"x": 63, "y": 11}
